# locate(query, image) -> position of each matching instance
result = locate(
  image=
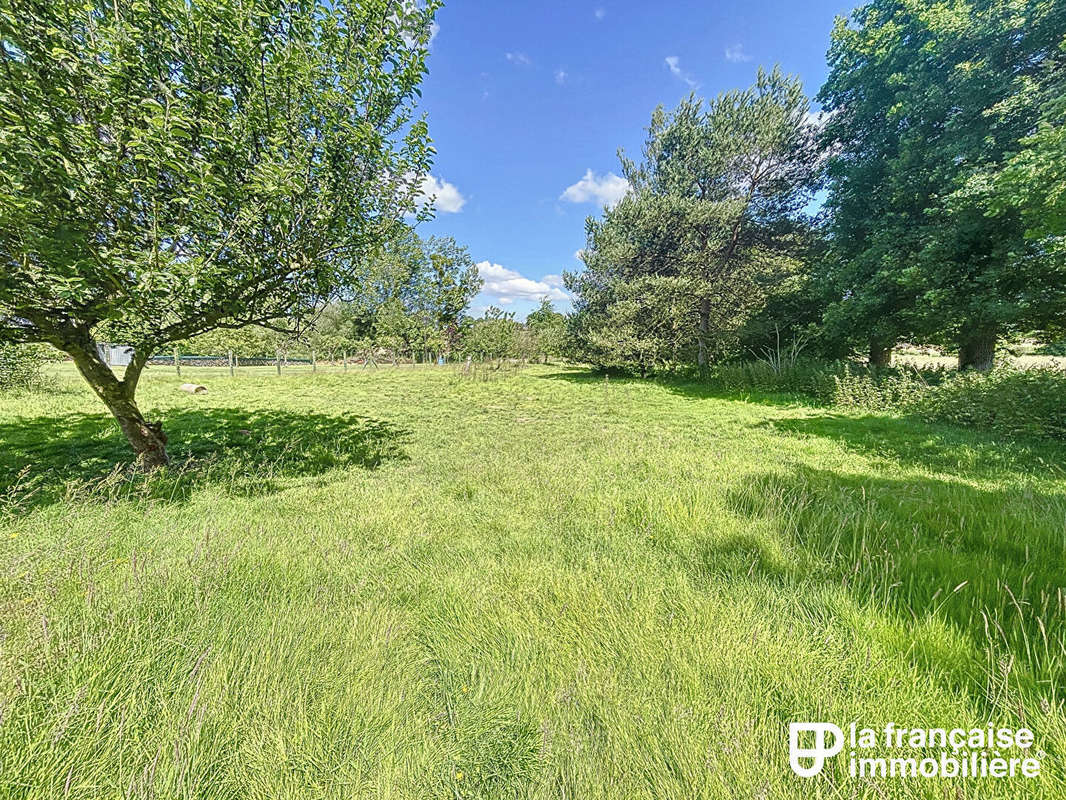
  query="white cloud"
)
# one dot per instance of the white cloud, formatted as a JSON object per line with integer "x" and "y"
{"x": 674, "y": 63}
{"x": 606, "y": 189}
{"x": 818, "y": 118}
{"x": 600, "y": 13}
{"x": 519, "y": 58}
{"x": 560, "y": 76}
{"x": 445, "y": 197}
{"x": 736, "y": 54}
{"x": 506, "y": 285}
{"x": 411, "y": 14}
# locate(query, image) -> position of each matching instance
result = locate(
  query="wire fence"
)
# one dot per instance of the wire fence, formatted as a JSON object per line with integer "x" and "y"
{"x": 312, "y": 361}
{"x": 284, "y": 363}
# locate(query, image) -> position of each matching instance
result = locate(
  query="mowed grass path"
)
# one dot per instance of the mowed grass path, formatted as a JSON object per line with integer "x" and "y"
{"x": 394, "y": 583}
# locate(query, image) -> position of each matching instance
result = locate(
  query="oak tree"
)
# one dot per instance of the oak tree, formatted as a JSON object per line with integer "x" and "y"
{"x": 924, "y": 102}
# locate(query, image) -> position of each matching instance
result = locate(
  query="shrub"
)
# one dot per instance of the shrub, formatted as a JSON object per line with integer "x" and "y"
{"x": 810, "y": 378}
{"x": 1052, "y": 349}
{"x": 1012, "y": 401}
{"x": 1018, "y": 402}
{"x": 20, "y": 366}
{"x": 836, "y": 382}
{"x": 884, "y": 388}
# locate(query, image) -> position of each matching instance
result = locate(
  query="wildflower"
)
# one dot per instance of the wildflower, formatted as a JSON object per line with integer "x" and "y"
{"x": 459, "y": 775}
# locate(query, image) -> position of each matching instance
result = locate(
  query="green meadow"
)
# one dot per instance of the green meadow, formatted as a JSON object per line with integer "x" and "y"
{"x": 407, "y": 583}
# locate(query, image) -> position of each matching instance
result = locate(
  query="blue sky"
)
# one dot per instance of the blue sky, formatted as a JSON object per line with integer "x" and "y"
{"x": 528, "y": 103}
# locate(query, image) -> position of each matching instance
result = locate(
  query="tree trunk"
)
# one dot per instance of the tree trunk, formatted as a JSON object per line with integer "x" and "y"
{"x": 146, "y": 438}
{"x": 880, "y": 354}
{"x": 977, "y": 350}
{"x": 705, "y": 327}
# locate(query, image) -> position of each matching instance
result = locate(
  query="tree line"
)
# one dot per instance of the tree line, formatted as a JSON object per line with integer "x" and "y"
{"x": 175, "y": 169}
{"x": 939, "y": 163}
{"x": 412, "y": 304}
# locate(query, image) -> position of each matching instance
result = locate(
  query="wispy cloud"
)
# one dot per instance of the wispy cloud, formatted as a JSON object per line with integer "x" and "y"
{"x": 600, "y": 13}
{"x": 606, "y": 189}
{"x": 521, "y": 59}
{"x": 674, "y": 63}
{"x": 560, "y": 76}
{"x": 735, "y": 53}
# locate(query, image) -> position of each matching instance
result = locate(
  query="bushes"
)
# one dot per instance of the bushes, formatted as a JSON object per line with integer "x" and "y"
{"x": 1052, "y": 349}
{"x": 883, "y": 388}
{"x": 810, "y": 378}
{"x": 1018, "y": 402}
{"x": 20, "y": 366}
{"x": 831, "y": 382}
{"x": 1015, "y": 402}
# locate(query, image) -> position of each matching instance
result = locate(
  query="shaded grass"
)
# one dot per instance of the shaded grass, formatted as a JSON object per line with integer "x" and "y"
{"x": 535, "y": 588}
{"x": 47, "y": 459}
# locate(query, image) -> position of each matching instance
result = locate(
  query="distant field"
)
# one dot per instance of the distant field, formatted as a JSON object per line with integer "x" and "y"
{"x": 397, "y": 583}
{"x": 1025, "y": 360}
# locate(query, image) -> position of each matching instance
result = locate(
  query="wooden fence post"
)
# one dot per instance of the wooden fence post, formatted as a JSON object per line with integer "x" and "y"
{"x": 177, "y": 362}
{"x": 277, "y": 357}
{"x": 230, "y": 354}
{"x": 314, "y": 367}
{"x": 345, "y": 360}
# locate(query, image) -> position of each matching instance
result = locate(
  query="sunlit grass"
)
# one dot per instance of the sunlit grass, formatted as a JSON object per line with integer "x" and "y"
{"x": 403, "y": 583}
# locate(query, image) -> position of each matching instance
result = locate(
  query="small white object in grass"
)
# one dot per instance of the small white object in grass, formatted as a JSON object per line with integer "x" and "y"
{"x": 193, "y": 388}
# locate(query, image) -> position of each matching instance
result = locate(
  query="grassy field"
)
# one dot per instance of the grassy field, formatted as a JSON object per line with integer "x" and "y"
{"x": 398, "y": 583}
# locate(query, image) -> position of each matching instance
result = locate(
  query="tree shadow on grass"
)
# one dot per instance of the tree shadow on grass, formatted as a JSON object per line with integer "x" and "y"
{"x": 940, "y": 448}
{"x": 907, "y": 440}
{"x": 681, "y": 385}
{"x": 590, "y": 377}
{"x": 44, "y": 460}
{"x": 918, "y": 554}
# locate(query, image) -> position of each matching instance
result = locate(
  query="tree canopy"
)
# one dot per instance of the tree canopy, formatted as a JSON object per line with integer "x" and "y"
{"x": 548, "y": 330}
{"x": 940, "y": 148}
{"x": 926, "y": 103}
{"x": 717, "y": 199}
{"x": 417, "y": 295}
{"x": 170, "y": 168}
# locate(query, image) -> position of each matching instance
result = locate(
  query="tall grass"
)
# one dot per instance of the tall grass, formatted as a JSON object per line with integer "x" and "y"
{"x": 398, "y": 584}
{"x": 1021, "y": 402}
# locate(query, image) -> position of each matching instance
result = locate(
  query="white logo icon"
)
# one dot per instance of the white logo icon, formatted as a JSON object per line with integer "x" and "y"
{"x": 819, "y": 753}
